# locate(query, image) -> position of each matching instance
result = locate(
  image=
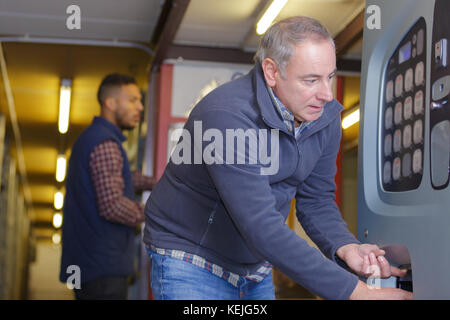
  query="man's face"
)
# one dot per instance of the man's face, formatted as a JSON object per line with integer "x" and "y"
{"x": 128, "y": 106}
{"x": 307, "y": 85}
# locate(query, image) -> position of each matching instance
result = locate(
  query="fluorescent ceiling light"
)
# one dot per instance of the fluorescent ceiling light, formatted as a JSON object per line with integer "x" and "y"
{"x": 61, "y": 168}
{"x": 64, "y": 105}
{"x": 57, "y": 220}
{"x": 350, "y": 119}
{"x": 56, "y": 238}
{"x": 271, "y": 13}
{"x": 58, "y": 200}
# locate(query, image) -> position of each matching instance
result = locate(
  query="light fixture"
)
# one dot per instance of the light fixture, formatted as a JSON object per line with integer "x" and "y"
{"x": 56, "y": 238}
{"x": 61, "y": 168}
{"x": 58, "y": 200}
{"x": 271, "y": 13}
{"x": 57, "y": 220}
{"x": 350, "y": 119}
{"x": 64, "y": 105}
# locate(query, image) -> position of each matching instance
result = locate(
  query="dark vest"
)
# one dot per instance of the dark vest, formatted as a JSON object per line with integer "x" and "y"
{"x": 98, "y": 247}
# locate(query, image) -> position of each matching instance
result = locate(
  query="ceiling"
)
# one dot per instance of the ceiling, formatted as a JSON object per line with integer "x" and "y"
{"x": 131, "y": 20}
{"x": 231, "y": 23}
{"x": 131, "y": 37}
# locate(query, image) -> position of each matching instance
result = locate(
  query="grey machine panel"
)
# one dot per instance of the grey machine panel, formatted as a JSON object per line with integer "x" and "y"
{"x": 404, "y": 156}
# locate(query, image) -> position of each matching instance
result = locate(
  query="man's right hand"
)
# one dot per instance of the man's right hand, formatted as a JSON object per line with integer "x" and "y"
{"x": 363, "y": 292}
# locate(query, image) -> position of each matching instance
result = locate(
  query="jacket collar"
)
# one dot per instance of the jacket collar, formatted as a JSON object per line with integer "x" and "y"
{"x": 110, "y": 127}
{"x": 273, "y": 118}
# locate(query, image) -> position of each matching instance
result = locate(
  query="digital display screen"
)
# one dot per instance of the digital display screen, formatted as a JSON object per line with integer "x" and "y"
{"x": 404, "y": 53}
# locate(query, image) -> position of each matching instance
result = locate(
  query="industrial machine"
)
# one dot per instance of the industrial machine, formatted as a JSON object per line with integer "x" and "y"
{"x": 404, "y": 142}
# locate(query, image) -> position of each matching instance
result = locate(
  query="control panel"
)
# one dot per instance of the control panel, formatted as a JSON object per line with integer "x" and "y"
{"x": 403, "y": 113}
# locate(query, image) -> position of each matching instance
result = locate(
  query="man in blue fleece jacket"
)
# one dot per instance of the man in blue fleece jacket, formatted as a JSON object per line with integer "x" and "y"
{"x": 215, "y": 222}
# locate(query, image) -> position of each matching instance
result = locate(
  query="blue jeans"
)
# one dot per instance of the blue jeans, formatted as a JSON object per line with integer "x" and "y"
{"x": 175, "y": 279}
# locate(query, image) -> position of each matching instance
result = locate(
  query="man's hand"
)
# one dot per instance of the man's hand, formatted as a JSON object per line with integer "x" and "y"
{"x": 364, "y": 259}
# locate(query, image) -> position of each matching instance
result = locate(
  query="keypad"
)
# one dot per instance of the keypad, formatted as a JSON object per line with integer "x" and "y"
{"x": 403, "y": 113}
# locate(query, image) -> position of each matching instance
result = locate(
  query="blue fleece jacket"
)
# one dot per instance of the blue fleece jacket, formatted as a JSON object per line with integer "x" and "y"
{"x": 232, "y": 213}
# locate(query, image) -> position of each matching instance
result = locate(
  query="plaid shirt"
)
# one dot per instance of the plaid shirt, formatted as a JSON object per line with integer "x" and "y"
{"x": 288, "y": 117}
{"x": 106, "y": 165}
{"x": 232, "y": 278}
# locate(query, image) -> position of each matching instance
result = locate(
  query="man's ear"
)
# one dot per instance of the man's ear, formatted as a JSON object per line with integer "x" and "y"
{"x": 110, "y": 104}
{"x": 270, "y": 70}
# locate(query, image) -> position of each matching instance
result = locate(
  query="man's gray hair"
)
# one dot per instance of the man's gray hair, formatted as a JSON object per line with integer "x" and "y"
{"x": 280, "y": 39}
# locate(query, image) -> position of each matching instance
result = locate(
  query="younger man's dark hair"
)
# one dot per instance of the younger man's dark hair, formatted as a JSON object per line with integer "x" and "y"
{"x": 112, "y": 80}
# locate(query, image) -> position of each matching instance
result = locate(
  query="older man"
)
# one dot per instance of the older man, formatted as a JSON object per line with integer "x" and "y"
{"x": 215, "y": 227}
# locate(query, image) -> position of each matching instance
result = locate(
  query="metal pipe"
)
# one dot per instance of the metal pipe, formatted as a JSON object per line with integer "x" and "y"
{"x": 15, "y": 127}
{"x": 80, "y": 42}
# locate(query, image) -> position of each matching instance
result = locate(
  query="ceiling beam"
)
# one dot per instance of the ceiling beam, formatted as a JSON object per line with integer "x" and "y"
{"x": 41, "y": 178}
{"x": 348, "y": 65}
{"x": 165, "y": 31}
{"x": 213, "y": 54}
{"x": 44, "y": 205}
{"x": 350, "y": 34}
{"x": 43, "y": 225}
{"x": 40, "y": 134}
